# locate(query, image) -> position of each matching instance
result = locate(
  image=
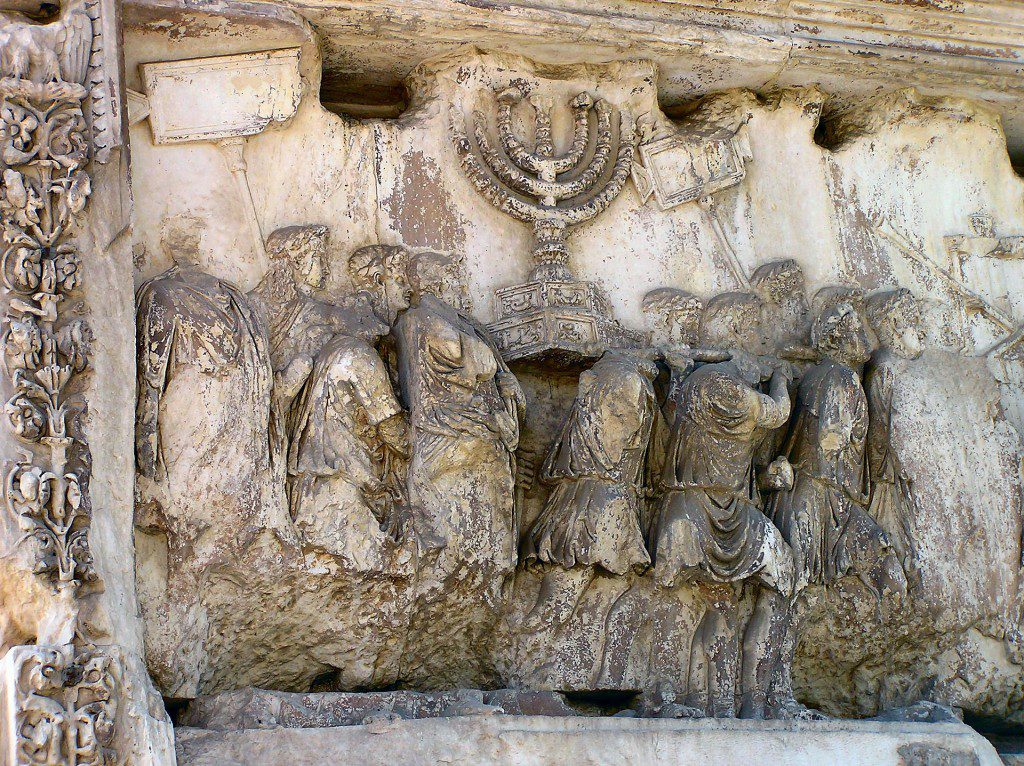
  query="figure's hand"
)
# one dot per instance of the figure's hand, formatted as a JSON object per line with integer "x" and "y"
{"x": 680, "y": 362}
{"x": 394, "y": 523}
{"x": 783, "y": 369}
{"x": 779, "y": 475}
{"x": 388, "y": 513}
{"x": 750, "y": 366}
{"x": 510, "y": 391}
{"x": 289, "y": 380}
{"x": 394, "y": 432}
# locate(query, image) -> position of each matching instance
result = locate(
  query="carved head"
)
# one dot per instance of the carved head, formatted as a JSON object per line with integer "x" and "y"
{"x": 895, "y": 316}
{"x": 780, "y": 282}
{"x": 181, "y": 237}
{"x": 306, "y": 248}
{"x": 618, "y": 383}
{"x": 673, "y": 316}
{"x": 438, "y": 275}
{"x": 23, "y": 343}
{"x": 733, "y": 320}
{"x": 46, "y": 670}
{"x": 379, "y": 272}
{"x": 840, "y": 334}
{"x": 833, "y": 295}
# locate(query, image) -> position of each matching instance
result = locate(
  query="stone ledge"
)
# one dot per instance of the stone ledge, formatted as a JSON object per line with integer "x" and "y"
{"x": 539, "y": 741}
{"x": 853, "y": 49}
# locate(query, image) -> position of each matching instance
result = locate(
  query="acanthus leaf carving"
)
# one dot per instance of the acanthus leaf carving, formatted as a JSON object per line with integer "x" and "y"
{"x": 62, "y": 703}
{"x": 45, "y": 187}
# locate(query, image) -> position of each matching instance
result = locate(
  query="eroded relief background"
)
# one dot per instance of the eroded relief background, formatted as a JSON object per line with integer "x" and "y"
{"x": 899, "y": 191}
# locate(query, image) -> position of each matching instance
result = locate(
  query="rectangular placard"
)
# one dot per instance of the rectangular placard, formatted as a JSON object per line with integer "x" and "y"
{"x": 210, "y": 99}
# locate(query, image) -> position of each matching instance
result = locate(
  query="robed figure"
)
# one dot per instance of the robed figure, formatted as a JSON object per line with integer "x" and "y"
{"x": 596, "y": 468}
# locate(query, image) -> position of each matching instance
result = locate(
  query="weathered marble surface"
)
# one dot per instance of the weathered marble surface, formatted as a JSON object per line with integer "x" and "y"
{"x": 263, "y": 709}
{"x": 540, "y": 741}
{"x": 862, "y": 199}
{"x": 419, "y": 396}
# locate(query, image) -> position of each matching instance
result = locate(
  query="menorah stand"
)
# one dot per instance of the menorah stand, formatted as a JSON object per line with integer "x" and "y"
{"x": 559, "y": 319}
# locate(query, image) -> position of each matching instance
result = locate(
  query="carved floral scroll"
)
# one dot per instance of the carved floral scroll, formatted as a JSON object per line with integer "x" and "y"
{"x": 44, "y": 190}
{"x": 58, "y": 702}
{"x": 60, "y": 706}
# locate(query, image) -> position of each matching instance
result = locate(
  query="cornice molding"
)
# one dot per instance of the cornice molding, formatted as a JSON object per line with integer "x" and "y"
{"x": 851, "y": 48}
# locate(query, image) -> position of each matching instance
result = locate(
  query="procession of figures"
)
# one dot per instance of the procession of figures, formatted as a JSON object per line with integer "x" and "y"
{"x": 383, "y": 455}
{"x": 747, "y": 450}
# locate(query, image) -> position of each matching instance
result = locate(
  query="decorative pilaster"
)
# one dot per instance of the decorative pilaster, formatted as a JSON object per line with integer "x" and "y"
{"x": 44, "y": 189}
{"x": 58, "y": 702}
{"x": 58, "y": 706}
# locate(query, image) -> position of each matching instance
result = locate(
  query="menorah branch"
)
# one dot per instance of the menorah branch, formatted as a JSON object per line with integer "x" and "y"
{"x": 476, "y": 174}
{"x": 581, "y": 106}
{"x": 527, "y": 184}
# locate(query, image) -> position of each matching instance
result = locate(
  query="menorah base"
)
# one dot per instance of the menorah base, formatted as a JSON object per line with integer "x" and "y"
{"x": 563, "y": 320}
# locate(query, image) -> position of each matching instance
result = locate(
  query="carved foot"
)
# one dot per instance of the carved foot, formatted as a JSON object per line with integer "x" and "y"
{"x": 675, "y": 710}
{"x": 791, "y": 710}
{"x": 753, "y": 708}
{"x": 380, "y": 720}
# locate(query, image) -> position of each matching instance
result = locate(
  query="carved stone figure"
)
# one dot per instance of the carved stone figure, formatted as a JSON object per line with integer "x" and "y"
{"x": 464, "y": 407}
{"x": 335, "y": 413}
{"x": 674, "y": 317}
{"x": 826, "y": 446}
{"x": 298, "y": 323}
{"x": 592, "y": 518}
{"x": 832, "y": 296}
{"x": 464, "y": 415}
{"x": 47, "y": 53}
{"x": 193, "y": 324}
{"x": 822, "y": 515}
{"x": 379, "y": 275}
{"x": 781, "y": 285}
{"x": 348, "y": 434}
{"x": 203, "y": 414}
{"x": 895, "y": 316}
{"x": 709, "y": 525}
{"x": 709, "y": 522}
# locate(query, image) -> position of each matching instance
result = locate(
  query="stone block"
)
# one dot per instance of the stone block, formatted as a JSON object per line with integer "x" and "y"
{"x": 539, "y": 741}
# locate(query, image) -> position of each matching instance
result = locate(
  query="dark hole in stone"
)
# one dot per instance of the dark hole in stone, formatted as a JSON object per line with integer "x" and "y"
{"x": 362, "y": 100}
{"x": 35, "y": 10}
{"x": 601, "y": 701}
{"x": 1017, "y": 161}
{"x": 831, "y": 132}
{"x": 326, "y": 682}
{"x": 176, "y": 708}
{"x": 993, "y": 726}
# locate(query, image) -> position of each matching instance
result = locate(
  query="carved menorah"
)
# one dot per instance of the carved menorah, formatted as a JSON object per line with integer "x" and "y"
{"x": 552, "y": 192}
